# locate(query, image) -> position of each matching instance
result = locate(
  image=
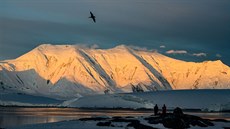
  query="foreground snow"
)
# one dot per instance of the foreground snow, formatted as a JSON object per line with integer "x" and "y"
{"x": 206, "y": 100}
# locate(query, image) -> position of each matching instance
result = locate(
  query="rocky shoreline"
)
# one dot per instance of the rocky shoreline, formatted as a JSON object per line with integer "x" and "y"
{"x": 175, "y": 120}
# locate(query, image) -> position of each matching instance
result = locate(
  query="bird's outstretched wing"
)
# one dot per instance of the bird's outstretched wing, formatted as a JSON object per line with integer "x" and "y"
{"x": 91, "y": 14}
{"x": 94, "y": 20}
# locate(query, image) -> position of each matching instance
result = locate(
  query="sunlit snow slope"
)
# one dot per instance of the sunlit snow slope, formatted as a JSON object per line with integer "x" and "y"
{"x": 68, "y": 71}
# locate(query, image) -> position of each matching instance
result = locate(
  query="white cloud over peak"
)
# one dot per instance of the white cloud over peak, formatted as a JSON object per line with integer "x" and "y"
{"x": 162, "y": 46}
{"x": 94, "y": 46}
{"x": 218, "y": 55}
{"x": 176, "y": 52}
{"x": 141, "y": 48}
{"x": 138, "y": 48}
{"x": 199, "y": 54}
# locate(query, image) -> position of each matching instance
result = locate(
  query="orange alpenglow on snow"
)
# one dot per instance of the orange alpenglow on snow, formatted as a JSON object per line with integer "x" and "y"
{"x": 82, "y": 71}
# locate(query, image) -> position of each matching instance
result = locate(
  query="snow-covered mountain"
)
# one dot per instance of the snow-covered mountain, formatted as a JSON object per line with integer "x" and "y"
{"x": 68, "y": 71}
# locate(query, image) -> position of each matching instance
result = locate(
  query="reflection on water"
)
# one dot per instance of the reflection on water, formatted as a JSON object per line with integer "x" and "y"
{"x": 211, "y": 115}
{"x": 15, "y": 116}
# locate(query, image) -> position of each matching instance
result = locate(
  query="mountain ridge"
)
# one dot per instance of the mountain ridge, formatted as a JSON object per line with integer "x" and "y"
{"x": 68, "y": 71}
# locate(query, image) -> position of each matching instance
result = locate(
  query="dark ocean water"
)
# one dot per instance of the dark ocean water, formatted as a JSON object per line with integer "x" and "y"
{"x": 16, "y": 116}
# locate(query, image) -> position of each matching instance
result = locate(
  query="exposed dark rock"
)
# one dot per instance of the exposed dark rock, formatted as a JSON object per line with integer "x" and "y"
{"x": 129, "y": 117}
{"x": 48, "y": 81}
{"x": 174, "y": 122}
{"x": 104, "y": 123}
{"x": 178, "y": 112}
{"x": 178, "y": 120}
{"x": 116, "y": 117}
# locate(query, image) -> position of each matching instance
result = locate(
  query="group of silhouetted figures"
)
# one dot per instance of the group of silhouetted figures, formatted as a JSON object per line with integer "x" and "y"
{"x": 156, "y": 110}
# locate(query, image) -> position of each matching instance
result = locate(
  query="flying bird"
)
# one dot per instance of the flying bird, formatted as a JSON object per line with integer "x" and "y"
{"x": 92, "y": 16}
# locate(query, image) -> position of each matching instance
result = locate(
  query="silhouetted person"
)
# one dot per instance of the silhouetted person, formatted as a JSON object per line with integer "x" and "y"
{"x": 164, "y": 110}
{"x": 155, "y": 110}
{"x": 92, "y": 16}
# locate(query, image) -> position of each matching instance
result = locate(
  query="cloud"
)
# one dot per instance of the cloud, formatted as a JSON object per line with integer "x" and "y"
{"x": 176, "y": 52}
{"x": 138, "y": 48}
{"x": 141, "y": 48}
{"x": 218, "y": 55}
{"x": 162, "y": 46}
{"x": 94, "y": 46}
{"x": 199, "y": 54}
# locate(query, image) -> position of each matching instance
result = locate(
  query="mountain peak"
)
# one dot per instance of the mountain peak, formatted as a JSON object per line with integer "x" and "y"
{"x": 122, "y": 46}
{"x": 51, "y": 47}
{"x": 69, "y": 70}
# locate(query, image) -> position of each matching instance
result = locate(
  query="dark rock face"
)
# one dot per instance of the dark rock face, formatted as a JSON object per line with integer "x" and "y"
{"x": 175, "y": 123}
{"x": 175, "y": 120}
{"x": 178, "y": 112}
{"x": 178, "y": 120}
{"x": 104, "y": 123}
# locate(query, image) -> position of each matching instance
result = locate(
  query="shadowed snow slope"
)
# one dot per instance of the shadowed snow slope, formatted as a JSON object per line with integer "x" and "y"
{"x": 208, "y": 100}
{"x": 68, "y": 71}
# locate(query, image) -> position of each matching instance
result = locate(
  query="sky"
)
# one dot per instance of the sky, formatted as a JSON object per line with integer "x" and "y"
{"x": 191, "y": 30}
